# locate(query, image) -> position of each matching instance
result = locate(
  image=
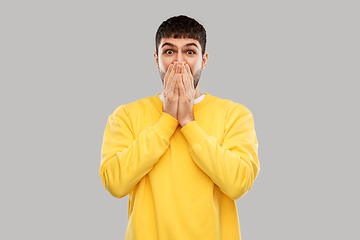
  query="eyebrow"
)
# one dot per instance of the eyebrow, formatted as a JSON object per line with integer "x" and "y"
{"x": 172, "y": 45}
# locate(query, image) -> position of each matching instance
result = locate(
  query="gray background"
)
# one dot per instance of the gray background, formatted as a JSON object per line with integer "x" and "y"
{"x": 66, "y": 65}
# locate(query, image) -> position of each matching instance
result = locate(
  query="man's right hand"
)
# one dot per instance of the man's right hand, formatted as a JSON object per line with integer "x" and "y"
{"x": 170, "y": 90}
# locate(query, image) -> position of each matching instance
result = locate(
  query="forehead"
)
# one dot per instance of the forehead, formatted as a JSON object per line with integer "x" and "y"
{"x": 179, "y": 42}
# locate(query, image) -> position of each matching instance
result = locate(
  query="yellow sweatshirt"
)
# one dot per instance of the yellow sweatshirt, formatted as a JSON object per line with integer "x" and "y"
{"x": 182, "y": 182}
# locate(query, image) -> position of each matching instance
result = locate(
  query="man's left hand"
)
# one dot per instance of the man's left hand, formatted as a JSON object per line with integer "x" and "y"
{"x": 186, "y": 96}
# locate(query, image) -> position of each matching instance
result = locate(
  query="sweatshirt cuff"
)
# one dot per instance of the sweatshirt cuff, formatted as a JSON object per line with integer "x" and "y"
{"x": 166, "y": 125}
{"x": 193, "y": 133}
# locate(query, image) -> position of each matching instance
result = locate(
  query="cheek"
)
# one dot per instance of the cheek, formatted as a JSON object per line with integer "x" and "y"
{"x": 164, "y": 67}
{"x": 195, "y": 67}
{"x": 164, "y": 64}
{"x": 161, "y": 66}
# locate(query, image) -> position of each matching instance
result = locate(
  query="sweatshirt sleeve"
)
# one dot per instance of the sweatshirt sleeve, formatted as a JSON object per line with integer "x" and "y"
{"x": 125, "y": 160}
{"x": 233, "y": 165}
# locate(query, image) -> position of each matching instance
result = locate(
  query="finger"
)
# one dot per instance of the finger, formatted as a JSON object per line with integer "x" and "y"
{"x": 191, "y": 79}
{"x": 170, "y": 78}
{"x": 178, "y": 68}
{"x": 188, "y": 90}
{"x": 173, "y": 88}
{"x": 186, "y": 80}
{"x": 174, "y": 83}
{"x": 176, "y": 88}
{"x": 175, "y": 73}
{"x": 170, "y": 68}
{"x": 171, "y": 73}
{"x": 180, "y": 85}
{"x": 181, "y": 65}
{"x": 166, "y": 77}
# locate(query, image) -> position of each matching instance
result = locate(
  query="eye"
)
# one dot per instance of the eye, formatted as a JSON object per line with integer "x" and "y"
{"x": 190, "y": 52}
{"x": 169, "y": 51}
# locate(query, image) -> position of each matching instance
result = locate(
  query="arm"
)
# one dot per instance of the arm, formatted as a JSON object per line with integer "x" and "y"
{"x": 126, "y": 160}
{"x": 234, "y": 165}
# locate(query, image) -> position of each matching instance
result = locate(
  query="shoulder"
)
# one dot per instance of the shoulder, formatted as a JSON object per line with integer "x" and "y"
{"x": 229, "y": 106}
{"x": 144, "y": 104}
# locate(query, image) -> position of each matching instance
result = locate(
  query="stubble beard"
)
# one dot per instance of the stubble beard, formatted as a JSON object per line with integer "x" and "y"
{"x": 196, "y": 77}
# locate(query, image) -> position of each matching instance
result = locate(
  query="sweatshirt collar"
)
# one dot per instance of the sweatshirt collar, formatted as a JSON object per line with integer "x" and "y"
{"x": 196, "y": 100}
{"x": 199, "y": 102}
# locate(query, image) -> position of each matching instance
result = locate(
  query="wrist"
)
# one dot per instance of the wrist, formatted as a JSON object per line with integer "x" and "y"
{"x": 171, "y": 111}
{"x": 184, "y": 123}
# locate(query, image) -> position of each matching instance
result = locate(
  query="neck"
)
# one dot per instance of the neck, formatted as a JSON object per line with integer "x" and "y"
{"x": 198, "y": 93}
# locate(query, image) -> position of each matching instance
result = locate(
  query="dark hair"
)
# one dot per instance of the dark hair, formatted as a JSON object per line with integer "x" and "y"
{"x": 181, "y": 27}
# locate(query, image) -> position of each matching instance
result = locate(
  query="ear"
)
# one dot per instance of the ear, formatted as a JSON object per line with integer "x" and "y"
{"x": 205, "y": 59}
{"x": 156, "y": 60}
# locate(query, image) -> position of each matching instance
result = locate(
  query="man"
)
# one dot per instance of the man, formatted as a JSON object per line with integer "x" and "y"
{"x": 183, "y": 157}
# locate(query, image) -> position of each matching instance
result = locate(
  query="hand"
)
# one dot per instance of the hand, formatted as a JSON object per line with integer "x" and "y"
{"x": 186, "y": 96}
{"x": 170, "y": 90}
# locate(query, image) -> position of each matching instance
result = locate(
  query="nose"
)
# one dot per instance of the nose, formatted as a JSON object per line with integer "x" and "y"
{"x": 180, "y": 58}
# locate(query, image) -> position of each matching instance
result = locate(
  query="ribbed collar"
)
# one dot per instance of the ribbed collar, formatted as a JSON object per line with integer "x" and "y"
{"x": 197, "y": 100}
{"x": 197, "y": 106}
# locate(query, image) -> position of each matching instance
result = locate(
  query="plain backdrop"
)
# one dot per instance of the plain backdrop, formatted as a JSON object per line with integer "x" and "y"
{"x": 66, "y": 65}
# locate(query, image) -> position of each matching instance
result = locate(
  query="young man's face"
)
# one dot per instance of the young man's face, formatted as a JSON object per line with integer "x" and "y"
{"x": 181, "y": 50}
